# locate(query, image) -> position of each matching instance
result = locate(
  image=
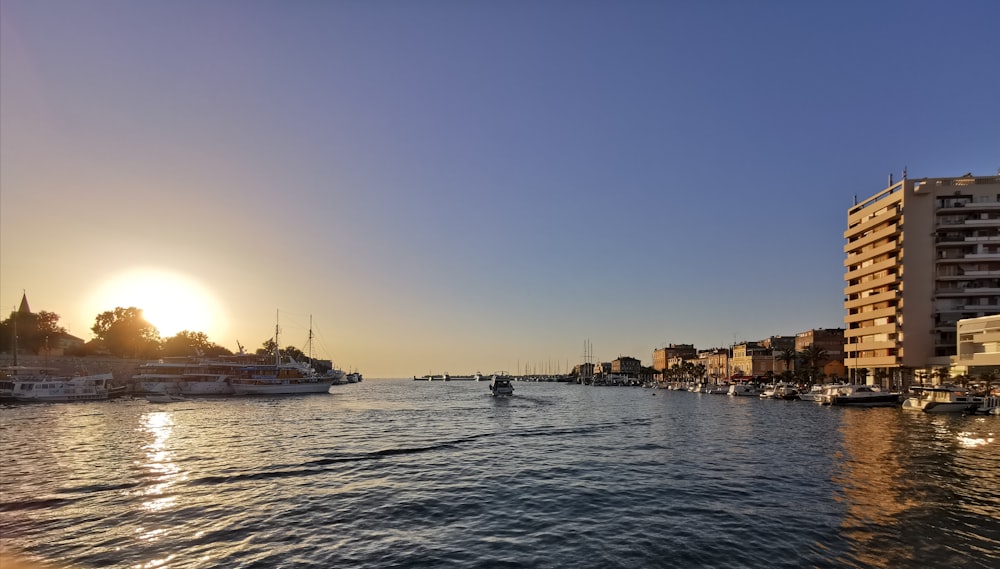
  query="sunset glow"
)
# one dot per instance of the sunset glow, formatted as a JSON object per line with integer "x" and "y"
{"x": 169, "y": 301}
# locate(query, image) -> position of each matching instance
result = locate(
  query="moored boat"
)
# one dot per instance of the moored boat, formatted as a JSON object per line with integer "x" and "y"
{"x": 786, "y": 391}
{"x": 57, "y": 389}
{"x": 863, "y": 396}
{"x": 290, "y": 378}
{"x": 743, "y": 390}
{"x": 813, "y": 394}
{"x": 941, "y": 399}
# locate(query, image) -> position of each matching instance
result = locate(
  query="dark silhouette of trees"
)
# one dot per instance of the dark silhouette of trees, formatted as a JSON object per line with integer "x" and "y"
{"x": 33, "y": 329}
{"x": 124, "y": 332}
{"x": 187, "y": 343}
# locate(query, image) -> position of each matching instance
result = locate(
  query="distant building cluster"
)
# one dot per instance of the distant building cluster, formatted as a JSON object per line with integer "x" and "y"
{"x": 921, "y": 298}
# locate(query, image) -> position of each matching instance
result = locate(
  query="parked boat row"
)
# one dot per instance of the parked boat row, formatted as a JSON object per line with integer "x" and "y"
{"x": 242, "y": 374}
{"x": 929, "y": 399}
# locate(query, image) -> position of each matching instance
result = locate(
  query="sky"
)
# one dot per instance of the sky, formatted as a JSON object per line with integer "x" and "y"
{"x": 446, "y": 186}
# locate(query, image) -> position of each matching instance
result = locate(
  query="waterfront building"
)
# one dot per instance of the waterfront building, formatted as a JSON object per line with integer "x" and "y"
{"x": 716, "y": 362}
{"x": 751, "y": 359}
{"x": 978, "y": 347}
{"x": 662, "y": 356}
{"x": 831, "y": 341}
{"x": 627, "y": 366}
{"x": 906, "y": 288}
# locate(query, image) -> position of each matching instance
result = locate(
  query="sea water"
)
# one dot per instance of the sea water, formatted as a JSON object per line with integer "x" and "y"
{"x": 400, "y": 473}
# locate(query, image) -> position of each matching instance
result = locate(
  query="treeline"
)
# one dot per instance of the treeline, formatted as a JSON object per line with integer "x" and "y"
{"x": 122, "y": 332}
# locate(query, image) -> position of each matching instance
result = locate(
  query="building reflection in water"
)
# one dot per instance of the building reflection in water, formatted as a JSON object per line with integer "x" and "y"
{"x": 907, "y": 479}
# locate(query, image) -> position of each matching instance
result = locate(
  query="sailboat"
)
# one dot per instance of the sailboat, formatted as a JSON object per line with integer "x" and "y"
{"x": 279, "y": 378}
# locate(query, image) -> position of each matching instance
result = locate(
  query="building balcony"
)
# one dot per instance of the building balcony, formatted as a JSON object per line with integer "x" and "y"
{"x": 869, "y": 269}
{"x": 987, "y": 239}
{"x": 868, "y": 285}
{"x": 969, "y": 206}
{"x": 991, "y": 222}
{"x": 857, "y": 223}
{"x": 870, "y": 315}
{"x": 870, "y": 330}
{"x": 875, "y": 298}
{"x": 880, "y": 251}
{"x": 966, "y": 291}
{"x": 883, "y": 361}
{"x": 871, "y": 345}
{"x": 891, "y": 230}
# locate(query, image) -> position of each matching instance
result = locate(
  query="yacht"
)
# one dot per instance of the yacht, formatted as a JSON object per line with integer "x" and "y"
{"x": 500, "y": 385}
{"x": 941, "y": 399}
{"x": 863, "y": 396}
{"x": 743, "y": 390}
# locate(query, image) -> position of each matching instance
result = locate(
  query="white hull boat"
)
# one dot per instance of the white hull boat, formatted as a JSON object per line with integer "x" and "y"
{"x": 63, "y": 389}
{"x": 941, "y": 399}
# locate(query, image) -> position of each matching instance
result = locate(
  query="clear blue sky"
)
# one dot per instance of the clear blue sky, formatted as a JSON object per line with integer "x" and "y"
{"x": 453, "y": 186}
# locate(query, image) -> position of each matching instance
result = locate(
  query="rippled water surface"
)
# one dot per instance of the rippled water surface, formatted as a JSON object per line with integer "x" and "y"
{"x": 397, "y": 473}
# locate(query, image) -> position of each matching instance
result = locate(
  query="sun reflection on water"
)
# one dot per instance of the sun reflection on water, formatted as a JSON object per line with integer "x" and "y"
{"x": 969, "y": 440}
{"x": 162, "y": 471}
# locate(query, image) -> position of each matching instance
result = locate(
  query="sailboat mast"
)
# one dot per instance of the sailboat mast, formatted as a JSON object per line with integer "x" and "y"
{"x": 277, "y": 351}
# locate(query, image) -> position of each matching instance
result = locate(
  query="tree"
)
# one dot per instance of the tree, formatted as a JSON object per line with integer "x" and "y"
{"x": 862, "y": 375}
{"x": 187, "y": 343}
{"x": 32, "y": 330}
{"x": 788, "y": 357}
{"x": 126, "y": 333}
{"x": 813, "y": 357}
{"x": 267, "y": 348}
{"x": 294, "y": 353}
{"x": 943, "y": 374}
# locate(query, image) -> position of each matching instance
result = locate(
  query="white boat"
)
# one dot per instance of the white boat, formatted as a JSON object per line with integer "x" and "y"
{"x": 500, "y": 385}
{"x": 192, "y": 376}
{"x": 863, "y": 396}
{"x": 160, "y": 376}
{"x": 830, "y": 390}
{"x": 290, "y": 378}
{"x": 786, "y": 391}
{"x": 814, "y": 394}
{"x": 281, "y": 378}
{"x": 941, "y": 399}
{"x": 743, "y": 390}
{"x": 56, "y": 389}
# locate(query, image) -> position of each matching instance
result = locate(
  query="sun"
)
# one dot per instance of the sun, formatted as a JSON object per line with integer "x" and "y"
{"x": 169, "y": 301}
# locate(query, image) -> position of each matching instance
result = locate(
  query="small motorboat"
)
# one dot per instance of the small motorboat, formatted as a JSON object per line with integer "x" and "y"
{"x": 501, "y": 386}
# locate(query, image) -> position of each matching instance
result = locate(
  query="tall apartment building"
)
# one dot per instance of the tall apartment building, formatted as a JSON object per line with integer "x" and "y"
{"x": 920, "y": 256}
